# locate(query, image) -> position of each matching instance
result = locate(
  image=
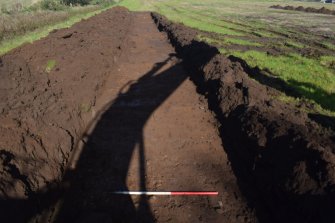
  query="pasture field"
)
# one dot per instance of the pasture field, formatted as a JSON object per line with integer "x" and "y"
{"x": 295, "y": 51}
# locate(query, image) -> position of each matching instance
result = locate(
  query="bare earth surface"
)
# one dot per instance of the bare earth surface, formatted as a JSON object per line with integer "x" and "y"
{"x": 117, "y": 110}
{"x": 158, "y": 135}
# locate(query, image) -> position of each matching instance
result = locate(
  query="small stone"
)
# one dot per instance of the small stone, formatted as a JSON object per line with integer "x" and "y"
{"x": 67, "y": 35}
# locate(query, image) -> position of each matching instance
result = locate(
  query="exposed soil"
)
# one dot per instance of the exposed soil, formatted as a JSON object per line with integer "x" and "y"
{"x": 322, "y": 10}
{"x": 155, "y": 134}
{"x": 284, "y": 162}
{"x": 119, "y": 110}
{"x": 44, "y": 113}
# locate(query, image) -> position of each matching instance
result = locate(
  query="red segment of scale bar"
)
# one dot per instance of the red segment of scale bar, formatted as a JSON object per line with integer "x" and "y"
{"x": 183, "y": 193}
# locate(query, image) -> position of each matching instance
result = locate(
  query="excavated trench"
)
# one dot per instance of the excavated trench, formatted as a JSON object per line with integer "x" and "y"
{"x": 284, "y": 162}
{"x": 122, "y": 109}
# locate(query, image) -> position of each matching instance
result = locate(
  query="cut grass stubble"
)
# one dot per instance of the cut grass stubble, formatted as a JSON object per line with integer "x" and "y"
{"x": 7, "y": 45}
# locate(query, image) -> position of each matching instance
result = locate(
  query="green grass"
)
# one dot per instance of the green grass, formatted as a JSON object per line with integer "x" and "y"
{"x": 329, "y": 45}
{"x": 203, "y": 24}
{"x": 50, "y": 65}
{"x": 313, "y": 78}
{"x": 308, "y": 76}
{"x": 227, "y": 41}
{"x": 298, "y": 45}
{"x": 209, "y": 27}
{"x": 297, "y": 101}
{"x": 209, "y": 40}
{"x": 133, "y": 5}
{"x": 328, "y": 61}
{"x": 207, "y": 17}
{"x": 241, "y": 42}
{"x": 29, "y": 37}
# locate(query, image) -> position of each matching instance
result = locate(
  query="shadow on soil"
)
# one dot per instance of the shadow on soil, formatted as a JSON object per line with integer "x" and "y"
{"x": 325, "y": 121}
{"x": 104, "y": 162}
{"x": 259, "y": 186}
{"x": 105, "y": 159}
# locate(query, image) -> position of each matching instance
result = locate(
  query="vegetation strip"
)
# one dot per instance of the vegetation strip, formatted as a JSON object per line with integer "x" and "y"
{"x": 27, "y": 26}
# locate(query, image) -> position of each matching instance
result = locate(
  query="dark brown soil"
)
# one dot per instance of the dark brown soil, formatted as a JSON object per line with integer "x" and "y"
{"x": 322, "y": 10}
{"x": 155, "y": 134}
{"x": 284, "y": 162}
{"x": 43, "y": 113}
{"x": 118, "y": 111}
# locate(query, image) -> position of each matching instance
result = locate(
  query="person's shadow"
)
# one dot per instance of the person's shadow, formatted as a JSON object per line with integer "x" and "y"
{"x": 104, "y": 162}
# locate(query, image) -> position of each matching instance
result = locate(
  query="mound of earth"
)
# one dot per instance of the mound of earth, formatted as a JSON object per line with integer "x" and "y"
{"x": 285, "y": 163}
{"x": 48, "y": 93}
{"x": 322, "y": 10}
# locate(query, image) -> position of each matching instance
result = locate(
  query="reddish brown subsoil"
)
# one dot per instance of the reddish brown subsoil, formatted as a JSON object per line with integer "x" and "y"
{"x": 155, "y": 134}
{"x": 117, "y": 112}
{"x": 322, "y": 10}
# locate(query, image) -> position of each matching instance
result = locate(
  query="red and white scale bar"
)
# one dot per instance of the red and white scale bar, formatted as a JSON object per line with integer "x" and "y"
{"x": 171, "y": 193}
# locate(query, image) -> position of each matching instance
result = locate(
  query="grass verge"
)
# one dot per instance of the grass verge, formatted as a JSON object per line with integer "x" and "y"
{"x": 29, "y": 37}
{"x": 307, "y": 76}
